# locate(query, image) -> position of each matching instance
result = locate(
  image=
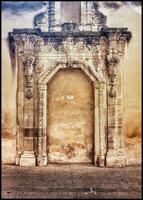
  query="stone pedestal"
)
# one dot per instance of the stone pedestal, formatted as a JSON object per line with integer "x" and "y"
{"x": 115, "y": 158}
{"x": 42, "y": 161}
{"x": 17, "y": 159}
{"x": 28, "y": 159}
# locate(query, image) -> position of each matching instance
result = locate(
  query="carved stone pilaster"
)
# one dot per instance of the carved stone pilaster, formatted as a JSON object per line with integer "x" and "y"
{"x": 96, "y": 124}
{"x": 28, "y": 155}
{"x": 112, "y": 62}
{"x": 102, "y": 123}
{"x": 114, "y": 157}
{"x": 29, "y": 75}
{"x": 42, "y": 137}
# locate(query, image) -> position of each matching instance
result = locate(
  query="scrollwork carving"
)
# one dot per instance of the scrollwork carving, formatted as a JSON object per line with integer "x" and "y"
{"x": 112, "y": 62}
{"x": 39, "y": 44}
{"x": 28, "y": 72}
{"x": 69, "y": 27}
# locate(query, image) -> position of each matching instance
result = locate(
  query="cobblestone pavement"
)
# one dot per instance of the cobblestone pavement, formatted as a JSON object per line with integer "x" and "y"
{"x": 70, "y": 182}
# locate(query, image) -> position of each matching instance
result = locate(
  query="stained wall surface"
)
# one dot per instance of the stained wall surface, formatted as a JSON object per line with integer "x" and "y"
{"x": 123, "y": 16}
{"x": 70, "y": 117}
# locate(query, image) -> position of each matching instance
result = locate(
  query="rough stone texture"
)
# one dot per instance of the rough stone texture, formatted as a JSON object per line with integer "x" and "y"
{"x": 71, "y": 182}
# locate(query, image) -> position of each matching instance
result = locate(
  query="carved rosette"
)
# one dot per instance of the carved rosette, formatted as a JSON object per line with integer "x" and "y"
{"x": 29, "y": 75}
{"x": 112, "y": 63}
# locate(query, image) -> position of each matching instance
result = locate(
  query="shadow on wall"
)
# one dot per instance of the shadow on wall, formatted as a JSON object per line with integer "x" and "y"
{"x": 11, "y": 48}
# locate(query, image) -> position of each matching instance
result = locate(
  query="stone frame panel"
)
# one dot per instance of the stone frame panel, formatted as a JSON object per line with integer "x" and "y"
{"x": 39, "y": 56}
{"x": 99, "y": 115}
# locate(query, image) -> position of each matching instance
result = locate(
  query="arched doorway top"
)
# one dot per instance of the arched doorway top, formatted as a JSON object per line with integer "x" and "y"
{"x": 47, "y": 75}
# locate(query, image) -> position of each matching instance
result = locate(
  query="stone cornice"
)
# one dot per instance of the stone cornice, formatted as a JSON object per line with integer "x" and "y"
{"x": 88, "y": 35}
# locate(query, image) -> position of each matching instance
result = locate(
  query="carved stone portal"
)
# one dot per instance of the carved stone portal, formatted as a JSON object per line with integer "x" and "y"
{"x": 39, "y": 57}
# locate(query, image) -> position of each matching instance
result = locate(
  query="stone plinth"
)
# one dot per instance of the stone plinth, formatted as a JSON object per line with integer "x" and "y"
{"x": 28, "y": 159}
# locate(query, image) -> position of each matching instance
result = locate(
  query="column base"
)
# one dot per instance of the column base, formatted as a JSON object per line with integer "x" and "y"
{"x": 115, "y": 158}
{"x": 28, "y": 159}
{"x": 99, "y": 160}
{"x": 42, "y": 160}
{"x": 17, "y": 159}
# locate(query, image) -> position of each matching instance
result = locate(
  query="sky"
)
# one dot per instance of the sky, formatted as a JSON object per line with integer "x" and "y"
{"x": 20, "y": 14}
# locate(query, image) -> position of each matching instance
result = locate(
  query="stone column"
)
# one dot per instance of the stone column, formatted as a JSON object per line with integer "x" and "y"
{"x": 42, "y": 134}
{"x": 114, "y": 156}
{"x": 120, "y": 145}
{"x": 102, "y": 123}
{"x": 55, "y": 16}
{"x": 20, "y": 105}
{"x": 96, "y": 124}
{"x": 83, "y": 12}
{"x": 89, "y": 12}
{"x": 58, "y": 12}
{"x": 28, "y": 156}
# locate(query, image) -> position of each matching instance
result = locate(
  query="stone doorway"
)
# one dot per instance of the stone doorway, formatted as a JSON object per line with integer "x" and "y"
{"x": 70, "y": 117}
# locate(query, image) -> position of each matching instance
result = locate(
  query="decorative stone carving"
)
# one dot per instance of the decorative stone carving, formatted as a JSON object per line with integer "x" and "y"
{"x": 74, "y": 49}
{"x": 38, "y": 45}
{"x": 28, "y": 94}
{"x": 28, "y": 69}
{"x": 112, "y": 62}
{"x": 42, "y": 20}
{"x": 70, "y": 27}
{"x": 97, "y": 17}
{"x": 69, "y": 45}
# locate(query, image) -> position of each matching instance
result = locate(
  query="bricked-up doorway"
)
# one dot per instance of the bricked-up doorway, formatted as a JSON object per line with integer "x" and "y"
{"x": 70, "y": 117}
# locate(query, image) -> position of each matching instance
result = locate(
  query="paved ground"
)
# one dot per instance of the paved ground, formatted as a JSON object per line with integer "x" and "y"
{"x": 70, "y": 181}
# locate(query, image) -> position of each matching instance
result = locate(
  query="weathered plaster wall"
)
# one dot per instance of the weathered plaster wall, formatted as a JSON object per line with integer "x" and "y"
{"x": 70, "y": 117}
{"x": 125, "y": 16}
{"x": 131, "y": 82}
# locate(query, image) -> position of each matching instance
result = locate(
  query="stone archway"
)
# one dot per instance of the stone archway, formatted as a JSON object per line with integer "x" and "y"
{"x": 99, "y": 117}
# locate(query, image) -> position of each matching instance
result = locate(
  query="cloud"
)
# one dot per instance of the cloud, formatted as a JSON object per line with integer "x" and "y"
{"x": 11, "y": 21}
{"x": 17, "y": 7}
{"x": 135, "y": 5}
{"x": 112, "y": 5}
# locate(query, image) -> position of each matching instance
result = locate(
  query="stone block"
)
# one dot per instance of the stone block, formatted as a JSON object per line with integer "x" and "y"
{"x": 28, "y": 159}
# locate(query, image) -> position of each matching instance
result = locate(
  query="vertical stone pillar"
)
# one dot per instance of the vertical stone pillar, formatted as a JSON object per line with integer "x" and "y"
{"x": 99, "y": 123}
{"x": 83, "y": 12}
{"x": 55, "y": 16}
{"x": 58, "y": 12}
{"x": 96, "y": 124}
{"x": 51, "y": 14}
{"x": 42, "y": 134}
{"x": 114, "y": 156}
{"x": 89, "y": 12}
{"x": 102, "y": 123}
{"x": 20, "y": 105}
{"x": 28, "y": 156}
{"x": 121, "y": 48}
